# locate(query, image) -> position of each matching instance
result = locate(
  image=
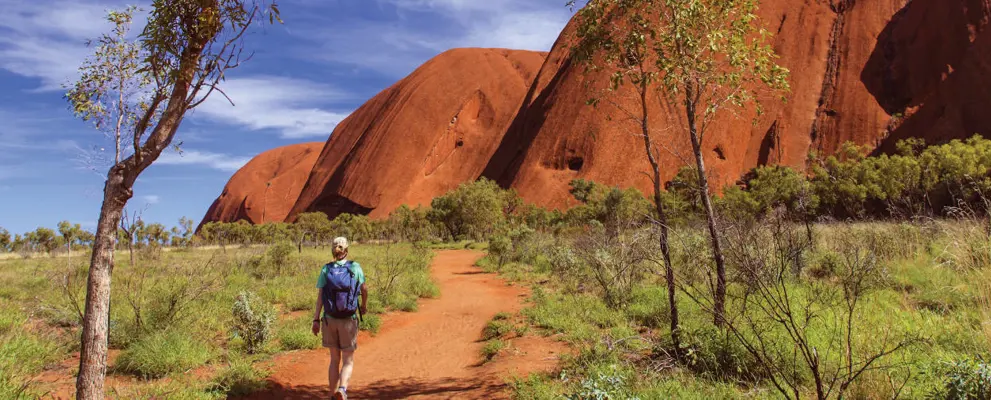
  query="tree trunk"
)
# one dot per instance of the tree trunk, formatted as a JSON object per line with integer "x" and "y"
{"x": 96, "y": 323}
{"x": 703, "y": 182}
{"x": 663, "y": 221}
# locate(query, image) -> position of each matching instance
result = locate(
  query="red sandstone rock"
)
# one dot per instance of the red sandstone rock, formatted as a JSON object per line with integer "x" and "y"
{"x": 265, "y": 188}
{"x": 870, "y": 71}
{"x": 421, "y": 137}
{"x": 846, "y": 84}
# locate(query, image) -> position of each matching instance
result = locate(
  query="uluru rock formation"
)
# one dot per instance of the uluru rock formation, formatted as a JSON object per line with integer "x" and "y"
{"x": 265, "y": 189}
{"x": 854, "y": 64}
{"x": 868, "y": 71}
{"x": 421, "y": 137}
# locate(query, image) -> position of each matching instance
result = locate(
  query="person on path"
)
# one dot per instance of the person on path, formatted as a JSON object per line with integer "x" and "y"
{"x": 340, "y": 321}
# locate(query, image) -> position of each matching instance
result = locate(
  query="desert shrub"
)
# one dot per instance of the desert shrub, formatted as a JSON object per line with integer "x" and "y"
{"x": 400, "y": 278}
{"x": 238, "y": 378}
{"x": 534, "y": 386}
{"x": 279, "y": 256}
{"x": 253, "y": 319}
{"x": 614, "y": 264}
{"x": 604, "y": 383}
{"x": 410, "y": 225}
{"x": 968, "y": 379}
{"x": 492, "y": 348}
{"x": 163, "y": 353}
{"x": 966, "y": 245}
{"x": 649, "y": 306}
{"x": 496, "y": 329}
{"x": 500, "y": 246}
{"x": 471, "y": 211}
{"x": 717, "y": 355}
{"x": 610, "y": 207}
{"x": 22, "y": 356}
{"x": 371, "y": 323}
{"x": 296, "y": 335}
{"x": 578, "y": 317}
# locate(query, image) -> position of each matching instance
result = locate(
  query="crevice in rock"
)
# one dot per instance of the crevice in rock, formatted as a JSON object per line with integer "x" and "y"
{"x": 769, "y": 145}
{"x": 719, "y": 152}
{"x": 839, "y": 7}
{"x": 575, "y": 163}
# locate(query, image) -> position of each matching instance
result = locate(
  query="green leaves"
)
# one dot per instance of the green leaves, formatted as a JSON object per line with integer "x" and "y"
{"x": 712, "y": 49}
{"x": 127, "y": 85}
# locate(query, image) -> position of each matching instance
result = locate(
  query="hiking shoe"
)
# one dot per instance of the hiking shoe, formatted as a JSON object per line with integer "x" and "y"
{"x": 339, "y": 395}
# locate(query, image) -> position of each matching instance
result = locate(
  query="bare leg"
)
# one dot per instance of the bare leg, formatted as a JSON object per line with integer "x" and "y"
{"x": 334, "y": 371}
{"x": 347, "y": 367}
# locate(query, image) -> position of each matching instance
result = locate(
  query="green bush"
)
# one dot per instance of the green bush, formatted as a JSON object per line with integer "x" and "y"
{"x": 609, "y": 384}
{"x": 297, "y": 337}
{"x": 253, "y": 319}
{"x": 279, "y": 255}
{"x": 496, "y": 329}
{"x": 715, "y": 354}
{"x": 23, "y": 355}
{"x": 492, "y": 348}
{"x": 534, "y": 387}
{"x": 370, "y": 323}
{"x": 968, "y": 379}
{"x": 238, "y": 378}
{"x": 163, "y": 353}
{"x": 472, "y": 210}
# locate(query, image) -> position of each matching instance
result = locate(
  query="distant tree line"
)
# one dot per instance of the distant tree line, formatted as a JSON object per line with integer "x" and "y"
{"x": 933, "y": 181}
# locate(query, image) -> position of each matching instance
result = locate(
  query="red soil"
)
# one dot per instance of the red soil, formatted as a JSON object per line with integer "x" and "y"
{"x": 433, "y": 353}
{"x": 265, "y": 188}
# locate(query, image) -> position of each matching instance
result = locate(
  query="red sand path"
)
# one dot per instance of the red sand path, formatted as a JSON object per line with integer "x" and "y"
{"x": 433, "y": 353}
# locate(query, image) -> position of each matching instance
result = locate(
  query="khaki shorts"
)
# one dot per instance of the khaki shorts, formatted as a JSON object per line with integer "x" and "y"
{"x": 340, "y": 333}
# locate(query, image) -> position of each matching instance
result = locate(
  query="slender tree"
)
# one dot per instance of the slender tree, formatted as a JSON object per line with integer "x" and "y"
{"x": 5, "y": 242}
{"x": 623, "y": 49}
{"x": 70, "y": 233}
{"x": 137, "y": 92}
{"x": 709, "y": 56}
{"x": 44, "y": 239}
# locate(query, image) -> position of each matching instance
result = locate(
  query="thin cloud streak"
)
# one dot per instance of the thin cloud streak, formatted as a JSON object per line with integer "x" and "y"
{"x": 222, "y": 162}
{"x": 396, "y": 47}
{"x": 289, "y": 106}
{"x": 48, "y": 41}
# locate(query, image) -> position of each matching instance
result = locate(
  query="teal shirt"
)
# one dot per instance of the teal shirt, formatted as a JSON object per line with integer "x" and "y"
{"x": 355, "y": 267}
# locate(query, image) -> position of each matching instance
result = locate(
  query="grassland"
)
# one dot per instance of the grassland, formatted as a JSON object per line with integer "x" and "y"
{"x": 931, "y": 293}
{"x": 173, "y": 312}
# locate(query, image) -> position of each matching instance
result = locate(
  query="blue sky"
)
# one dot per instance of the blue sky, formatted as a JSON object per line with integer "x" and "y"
{"x": 328, "y": 58}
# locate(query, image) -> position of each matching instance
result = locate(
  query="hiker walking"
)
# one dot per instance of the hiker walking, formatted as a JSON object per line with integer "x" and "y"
{"x": 338, "y": 289}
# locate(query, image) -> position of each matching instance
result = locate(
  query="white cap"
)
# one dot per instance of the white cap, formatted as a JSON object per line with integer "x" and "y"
{"x": 341, "y": 241}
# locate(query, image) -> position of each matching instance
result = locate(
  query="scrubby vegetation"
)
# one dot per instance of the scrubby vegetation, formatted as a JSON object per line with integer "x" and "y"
{"x": 222, "y": 313}
{"x": 867, "y": 278}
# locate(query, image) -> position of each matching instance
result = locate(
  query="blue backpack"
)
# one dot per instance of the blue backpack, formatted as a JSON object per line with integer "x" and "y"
{"x": 341, "y": 293}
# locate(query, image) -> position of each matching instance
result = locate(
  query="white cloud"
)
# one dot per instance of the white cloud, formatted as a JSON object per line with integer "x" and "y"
{"x": 151, "y": 199}
{"x": 217, "y": 161}
{"x": 396, "y": 47}
{"x": 47, "y": 40}
{"x": 287, "y": 105}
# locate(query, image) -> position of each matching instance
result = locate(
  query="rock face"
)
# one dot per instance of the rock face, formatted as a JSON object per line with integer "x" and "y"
{"x": 854, "y": 64}
{"x": 421, "y": 137}
{"x": 868, "y": 71}
{"x": 265, "y": 189}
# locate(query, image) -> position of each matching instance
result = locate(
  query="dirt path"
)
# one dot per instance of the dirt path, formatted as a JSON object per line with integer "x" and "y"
{"x": 433, "y": 353}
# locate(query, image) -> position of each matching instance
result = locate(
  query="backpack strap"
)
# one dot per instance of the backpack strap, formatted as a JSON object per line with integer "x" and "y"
{"x": 350, "y": 264}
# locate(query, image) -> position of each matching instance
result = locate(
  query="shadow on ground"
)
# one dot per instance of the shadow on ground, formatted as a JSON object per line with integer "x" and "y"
{"x": 447, "y": 388}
